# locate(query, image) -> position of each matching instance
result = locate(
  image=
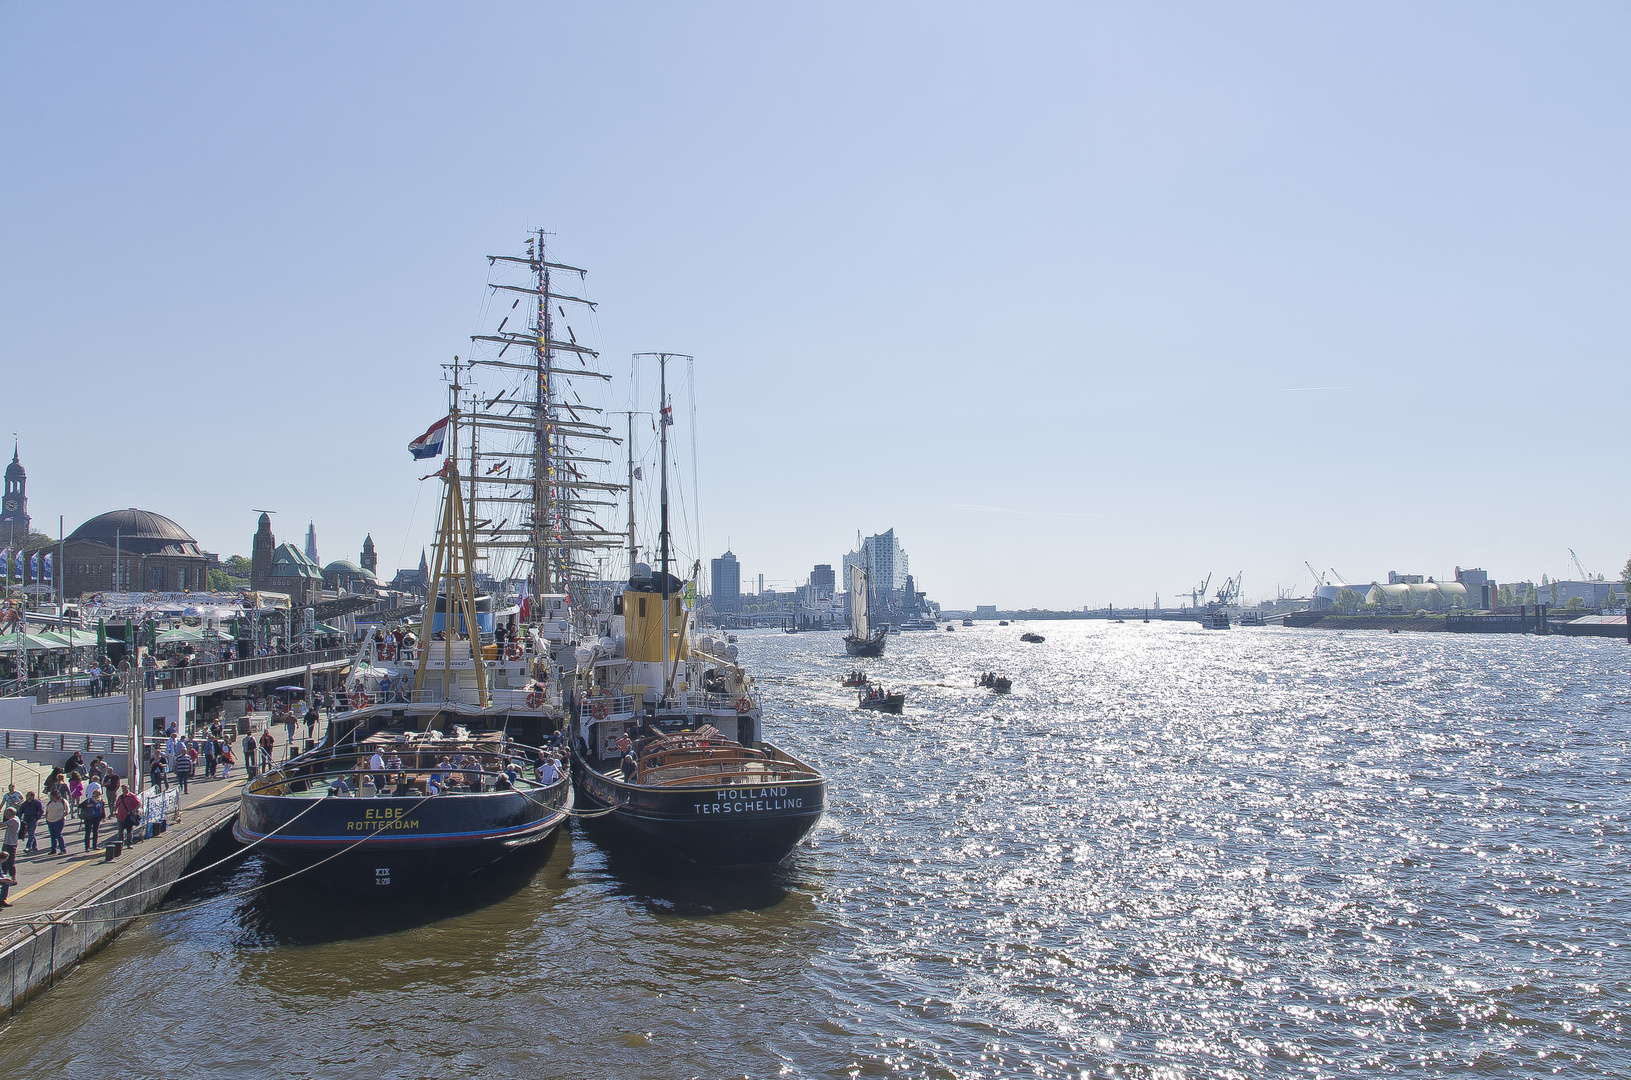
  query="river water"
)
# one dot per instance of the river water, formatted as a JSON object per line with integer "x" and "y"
{"x": 1169, "y": 852}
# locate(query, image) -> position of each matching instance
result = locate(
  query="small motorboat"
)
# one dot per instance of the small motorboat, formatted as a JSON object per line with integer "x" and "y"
{"x": 855, "y": 678}
{"x": 968, "y": 622}
{"x": 950, "y": 627}
{"x": 877, "y": 699}
{"x": 991, "y": 681}
{"x": 1034, "y": 639}
{"x": 1003, "y": 622}
{"x": 730, "y": 639}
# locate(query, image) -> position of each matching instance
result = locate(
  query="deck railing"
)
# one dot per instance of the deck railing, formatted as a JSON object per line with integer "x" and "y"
{"x": 70, "y": 687}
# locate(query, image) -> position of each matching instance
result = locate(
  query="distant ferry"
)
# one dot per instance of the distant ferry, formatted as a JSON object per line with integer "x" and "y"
{"x": 919, "y": 623}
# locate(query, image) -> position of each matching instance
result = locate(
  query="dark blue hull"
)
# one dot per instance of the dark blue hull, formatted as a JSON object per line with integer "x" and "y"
{"x": 392, "y": 843}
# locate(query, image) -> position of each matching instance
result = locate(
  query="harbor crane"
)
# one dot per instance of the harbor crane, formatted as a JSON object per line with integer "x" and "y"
{"x": 1319, "y": 576}
{"x": 1198, "y": 592}
{"x": 1340, "y": 579}
{"x": 1229, "y": 591}
{"x": 1585, "y": 575}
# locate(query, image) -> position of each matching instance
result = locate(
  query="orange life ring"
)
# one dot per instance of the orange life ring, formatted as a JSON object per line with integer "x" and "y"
{"x": 535, "y": 700}
{"x": 600, "y": 709}
{"x": 514, "y": 651}
{"x": 359, "y": 700}
{"x": 743, "y": 704}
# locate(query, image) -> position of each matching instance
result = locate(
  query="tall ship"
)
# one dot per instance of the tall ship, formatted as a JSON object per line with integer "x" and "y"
{"x": 442, "y": 763}
{"x": 667, "y": 727}
{"x": 436, "y": 770}
{"x": 862, "y": 639}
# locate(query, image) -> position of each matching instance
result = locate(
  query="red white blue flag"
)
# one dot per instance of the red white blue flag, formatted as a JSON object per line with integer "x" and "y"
{"x": 430, "y": 443}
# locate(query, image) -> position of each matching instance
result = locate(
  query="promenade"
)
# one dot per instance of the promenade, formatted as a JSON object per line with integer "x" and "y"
{"x": 65, "y": 906}
{"x": 45, "y": 881}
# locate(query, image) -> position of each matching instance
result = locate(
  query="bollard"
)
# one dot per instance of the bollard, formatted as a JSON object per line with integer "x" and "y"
{"x": 113, "y": 851}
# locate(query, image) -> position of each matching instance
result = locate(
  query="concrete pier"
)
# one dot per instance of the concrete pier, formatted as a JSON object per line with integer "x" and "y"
{"x": 65, "y": 907}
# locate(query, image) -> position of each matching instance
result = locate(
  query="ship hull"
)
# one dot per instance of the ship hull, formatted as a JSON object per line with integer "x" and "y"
{"x": 728, "y": 825}
{"x": 872, "y": 646}
{"x": 386, "y": 844}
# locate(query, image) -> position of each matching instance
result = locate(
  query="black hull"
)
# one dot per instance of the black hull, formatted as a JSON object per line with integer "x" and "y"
{"x": 872, "y": 646}
{"x": 395, "y": 844}
{"x": 732, "y": 825}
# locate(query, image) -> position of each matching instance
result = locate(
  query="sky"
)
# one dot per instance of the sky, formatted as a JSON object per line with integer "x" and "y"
{"x": 1086, "y": 301}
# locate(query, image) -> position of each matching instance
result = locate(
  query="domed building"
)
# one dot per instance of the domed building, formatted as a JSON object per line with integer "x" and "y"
{"x": 346, "y": 576}
{"x": 132, "y": 551}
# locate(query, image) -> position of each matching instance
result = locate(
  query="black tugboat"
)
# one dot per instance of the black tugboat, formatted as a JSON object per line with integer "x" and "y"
{"x": 666, "y": 740}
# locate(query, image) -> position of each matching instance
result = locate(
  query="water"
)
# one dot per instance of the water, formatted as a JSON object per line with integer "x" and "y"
{"x": 1169, "y": 853}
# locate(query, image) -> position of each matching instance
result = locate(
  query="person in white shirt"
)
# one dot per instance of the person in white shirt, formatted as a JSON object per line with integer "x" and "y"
{"x": 376, "y": 765}
{"x": 547, "y": 773}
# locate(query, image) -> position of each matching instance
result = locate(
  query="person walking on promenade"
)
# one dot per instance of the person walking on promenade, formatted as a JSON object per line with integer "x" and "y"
{"x": 311, "y": 720}
{"x": 56, "y": 817}
{"x": 249, "y": 756}
{"x": 159, "y": 772}
{"x": 150, "y": 670}
{"x": 183, "y": 768}
{"x": 14, "y": 798}
{"x": 91, "y": 814}
{"x": 128, "y": 812}
{"x": 12, "y": 827}
{"x": 225, "y": 754}
{"x": 31, "y": 813}
{"x": 209, "y": 759}
{"x": 268, "y": 742}
{"x": 288, "y": 725}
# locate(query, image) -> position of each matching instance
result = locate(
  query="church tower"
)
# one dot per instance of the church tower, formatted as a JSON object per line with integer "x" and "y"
{"x": 14, "y": 521}
{"x": 311, "y": 543}
{"x": 260, "y": 555}
{"x": 370, "y": 561}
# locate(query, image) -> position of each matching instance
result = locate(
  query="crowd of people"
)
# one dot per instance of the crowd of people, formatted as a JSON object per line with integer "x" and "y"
{"x": 94, "y": 794}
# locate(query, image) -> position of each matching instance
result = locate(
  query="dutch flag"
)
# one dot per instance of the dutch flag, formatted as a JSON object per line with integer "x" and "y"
{"x": 430, "y": 443}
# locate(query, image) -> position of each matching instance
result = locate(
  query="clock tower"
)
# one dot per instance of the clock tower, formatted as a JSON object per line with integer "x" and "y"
{"x": 14, "y": 508}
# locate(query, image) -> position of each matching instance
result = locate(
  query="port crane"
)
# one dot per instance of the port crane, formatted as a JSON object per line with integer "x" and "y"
{"x": 1197, "y": 593}
{"x": 1229, "y": 591}
{"x": 1319, "y": 575}
{"x": 1585, "y": 575}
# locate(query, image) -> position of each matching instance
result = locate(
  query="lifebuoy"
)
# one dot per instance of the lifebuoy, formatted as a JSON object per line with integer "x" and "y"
{"x": 600, "y": 709}
{"x": 743, "y": 704}
{"x": 535, "y": 700}
{"x": 515, "y": 650}
{"x": 359, "y": 700}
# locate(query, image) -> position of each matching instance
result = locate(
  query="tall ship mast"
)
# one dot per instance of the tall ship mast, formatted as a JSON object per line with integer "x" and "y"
{"x": 535, "y": 447}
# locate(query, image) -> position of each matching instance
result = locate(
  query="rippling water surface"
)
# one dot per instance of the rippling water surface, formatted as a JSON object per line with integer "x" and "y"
{"x": 1169, "y": 853}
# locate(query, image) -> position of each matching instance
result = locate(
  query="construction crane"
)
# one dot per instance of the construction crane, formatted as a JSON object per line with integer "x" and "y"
{"x": 1585, "y": 575}
{"x": 1229, "y": 591}
{"x": 1198, "y": 592}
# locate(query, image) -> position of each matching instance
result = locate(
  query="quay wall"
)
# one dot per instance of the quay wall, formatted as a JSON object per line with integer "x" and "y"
{"x": 34, "y": 957}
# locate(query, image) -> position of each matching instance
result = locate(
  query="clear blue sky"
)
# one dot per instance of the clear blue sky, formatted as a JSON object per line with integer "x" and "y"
{"x": 1035, "y": 285}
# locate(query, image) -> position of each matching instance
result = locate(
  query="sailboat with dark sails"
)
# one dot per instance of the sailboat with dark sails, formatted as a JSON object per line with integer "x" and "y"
{"x": 861, "y": 640}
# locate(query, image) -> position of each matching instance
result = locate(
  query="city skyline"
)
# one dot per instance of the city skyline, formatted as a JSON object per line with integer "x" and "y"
{"x": 1085, "y": 303}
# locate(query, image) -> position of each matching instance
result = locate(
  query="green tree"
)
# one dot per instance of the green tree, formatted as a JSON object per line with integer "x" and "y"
{"x": 1576, "y": 603}
{"x": 237, "y": 566}
{"x": 220, "y": 580}
{"x": 1625, "y": 578}
{"x": 1346, "y": 601}
{"x": 1533, "y": 595}
{"x": 1508, "y": 597}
